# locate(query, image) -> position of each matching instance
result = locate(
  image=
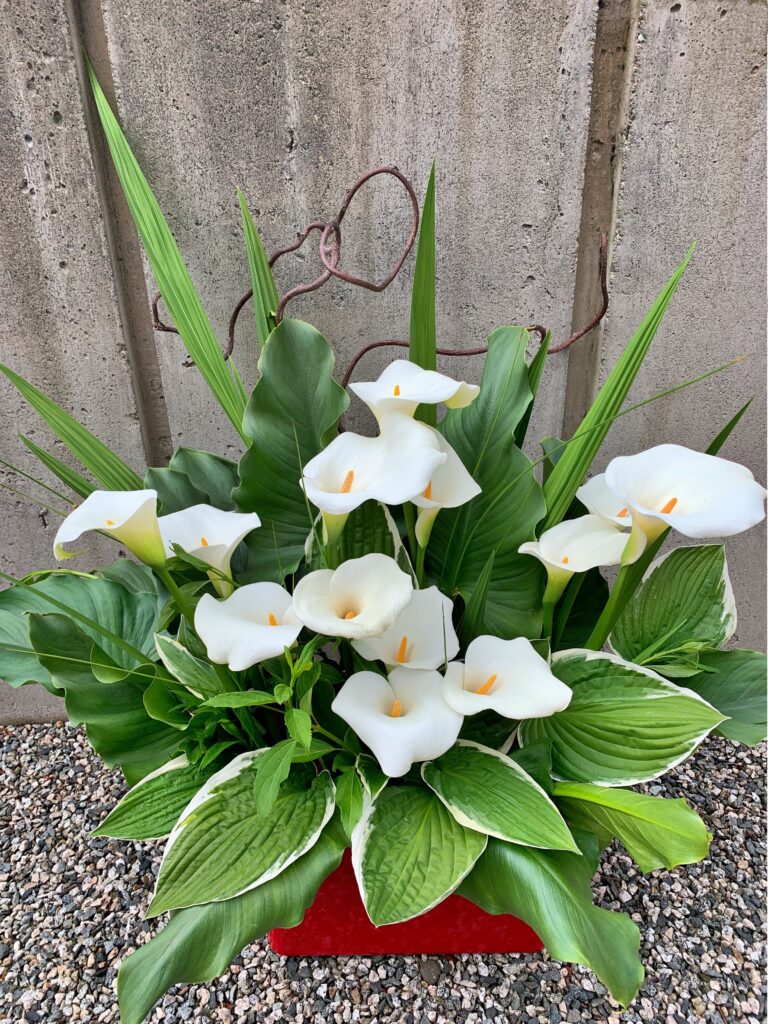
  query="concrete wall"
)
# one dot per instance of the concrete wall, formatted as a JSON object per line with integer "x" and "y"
{"x": 548, "y": 122}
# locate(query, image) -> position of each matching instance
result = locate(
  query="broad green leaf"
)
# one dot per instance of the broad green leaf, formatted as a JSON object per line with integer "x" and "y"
{"x": 74, "y": 480}
{"x": 472, "y": 622}
{"x": 365, "y": 531}
{"x": 536, "y": 760}
{"x": 271, "y": 772}
{"x": 685, "y": 604}
{"x": 199, "y": 943}
{"x": 550, "y": 891}
{"x": 152, "y": 807}
{"x": 488, "y": 791}
{"x": 134, "y": 576}
{"x": 371, "y": 775}
{"x": 175, "y": 490}
{"x": 118, "y": 726}
{"x": 213, "y": 475}
{"x": 19, "y": 663}
{"x": 110, "y": 470}
{"x": 579, "y": 609}
{"x": 168, "y": 267}
{"x": 349, "y": 798}
{"x": 222, "y": 846}
{"x": 265, "y": 298}
{"x": 568, "y": 475}
{"x": 198, "y": 676}
{"x": 506, "y": 512}
{"x": 423, "y": 331}
{"x": 535, "y": 373}
{"x": 734, "y": 682}
{"x": 292, "y": 414}
{"x": 624, "y": 725}
{"x": 240, "y": 699}
{"x": 656, "y": 832}
{"x": 410, "y": 853}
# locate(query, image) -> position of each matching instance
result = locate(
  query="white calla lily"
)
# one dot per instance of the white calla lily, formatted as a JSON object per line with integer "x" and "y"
{"x": 128, "y": 516}
{"x": 450, "y": 486}
{"x": 255, "y": 623}
{"x": 696, "y": 494}
{"x": 576, "y": 545}
{"x": 599, "y": 499}
{"x": 403, "y": 386}
{"x": 210, "y": 534}
{"x": 403, "y": 719}
{"x": 362, "y": 598}
{"x": 391, "y": 467}
{"x": 505, "y": 676}
{"x": 422, "y": 636}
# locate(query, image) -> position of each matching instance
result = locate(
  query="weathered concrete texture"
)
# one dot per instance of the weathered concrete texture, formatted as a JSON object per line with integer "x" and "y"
{"x": 694, "y": 168}
{"x": 59, "y": 326}
{"x": 294, "y": 101}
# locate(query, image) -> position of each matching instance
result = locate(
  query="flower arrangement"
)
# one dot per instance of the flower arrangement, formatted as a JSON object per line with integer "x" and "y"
{"x": 393, "y": 643}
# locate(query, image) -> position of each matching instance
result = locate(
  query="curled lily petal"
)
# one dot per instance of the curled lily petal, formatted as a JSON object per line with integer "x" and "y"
{"x": 209, "y": 534}
{"x": 449, "y": 486}
{"x": 403, "y": 386}
{"x": 391, "y": 467}
{"x": 599, "y": 499}
{"x": 362, "y": 598}
{"x": 696, "y": 494}
{"x": 255, "y": 623}
{"x": 422, "y": 636}
{"x": 505, "y": 676}
{"x": 128, "y": 516}
{"x": 577, "y": 545}
{"x": 403, "y": 719}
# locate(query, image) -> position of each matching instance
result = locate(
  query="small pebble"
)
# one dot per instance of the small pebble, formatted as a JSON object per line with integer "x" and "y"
{"x": 72, "y": 906}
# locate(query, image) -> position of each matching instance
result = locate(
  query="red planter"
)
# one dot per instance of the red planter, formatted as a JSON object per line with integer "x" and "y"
{"x": 337, "y": 925}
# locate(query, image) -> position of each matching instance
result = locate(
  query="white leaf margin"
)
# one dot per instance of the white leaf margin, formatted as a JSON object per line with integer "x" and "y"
{"x": 170, "y": 766}
{"x": 582, "y": 654}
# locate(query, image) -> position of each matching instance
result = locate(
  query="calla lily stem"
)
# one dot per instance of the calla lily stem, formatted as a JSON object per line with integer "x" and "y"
{"x": 410, "y": 524}
{"x": 610, "y": 613}
{"x": 175, "y": 591}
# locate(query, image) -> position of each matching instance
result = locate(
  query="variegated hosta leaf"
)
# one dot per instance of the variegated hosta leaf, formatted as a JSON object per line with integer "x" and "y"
{"x": 223, "y": 846}
{"x": 624, "y": 725}
{"x": 685, "y": 604}
{"x": 487, "y": 791}
{"x": 152, "y": 807}
{"x": 409, "y": 853}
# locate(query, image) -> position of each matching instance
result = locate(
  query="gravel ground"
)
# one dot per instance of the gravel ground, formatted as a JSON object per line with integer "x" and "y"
{"x": 71, "y": 908}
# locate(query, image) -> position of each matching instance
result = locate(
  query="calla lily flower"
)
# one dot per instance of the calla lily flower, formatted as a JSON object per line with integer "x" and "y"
{"x": 599, "y": 499}
{"x": 403, "y": 386}
{"x": 422, "y": 636}
{"x": 403, "y": 719}
{"x": 391, "y": 468}
{"x": 576, "y": 545}
{"x": 255, "y": 623}
{"x": 362, "y": 598}
{"x": 209, "y": 534}
{"x": 450, "y": 486}
{"x": 128, "y": 516}
{"x": 505, "y": 676}
{"x": 696, "y": 494}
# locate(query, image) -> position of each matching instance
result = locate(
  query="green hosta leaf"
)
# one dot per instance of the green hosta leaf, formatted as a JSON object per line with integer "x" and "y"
{"x": 571, "y": 468}
{"x": 199, "y": 943}
{"x": 656, "y": 832}
{"x": 108, "y": 468}
{"x": 410, "y": 853}
{"x": 685, "y": 605}
{"x": 734, "y": 682}
{"x": 624, "y": 725}
{"x": 349, "y": 798}
{"x": 488, "y": 791}
{"x": 222, "y": 846}
{"x": 293, "y": 413}
{"x": 265, "y": 298}
{"x": 65, "y": 473}
{"x": 168, "y": 267}
{"x": 116, "y": 721}
{"x": 423, "y": 330}
{"x": 200, "y": 677}
{"x": 550, "y": 891}
{"x": 365, "y": 531}
{"x": 212, "y": 475}
{"x": 174, "y": 489}
{"x": 506, "y": 512}
{"x": 152, "y": 807}
{"x": 240, "y": 699}
{"x": 371, "y": 775}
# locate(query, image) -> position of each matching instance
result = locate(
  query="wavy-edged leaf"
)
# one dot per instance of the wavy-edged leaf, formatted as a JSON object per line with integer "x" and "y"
{"x": 734, "y": 683}
{"x": 624, "y": 725}
{"x": 212, "y": 475}
{"x": 550, "y": 891}
{"x": 199, "y": 943}
{"x": 409, "y": 853}
{"x": 222, "y": 846}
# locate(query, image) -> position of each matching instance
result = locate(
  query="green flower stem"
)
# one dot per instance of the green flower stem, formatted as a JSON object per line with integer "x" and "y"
{"x": 174, "y": 590}
{"x": 410, "y": 522}
{"x": 569, "y": 599}
{"x": 547, "y": 618}
{"x": 420, "y": 552}
{"x": 610, "y": 613}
